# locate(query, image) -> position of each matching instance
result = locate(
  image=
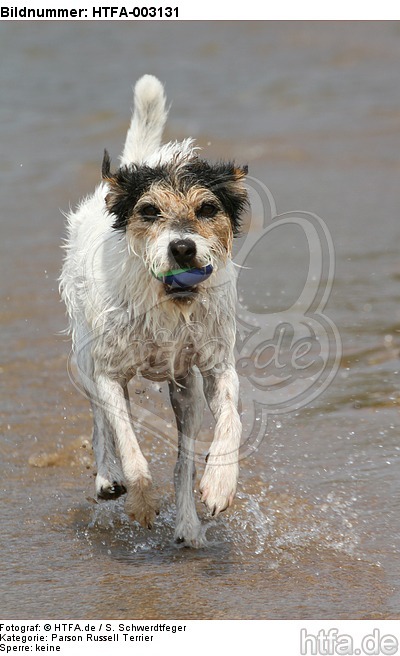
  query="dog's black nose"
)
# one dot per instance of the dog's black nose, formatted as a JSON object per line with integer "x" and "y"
{"x": 183, "y": 251}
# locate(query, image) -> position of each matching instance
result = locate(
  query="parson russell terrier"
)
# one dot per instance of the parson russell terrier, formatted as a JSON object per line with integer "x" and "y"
{"x": 133, "y": 251}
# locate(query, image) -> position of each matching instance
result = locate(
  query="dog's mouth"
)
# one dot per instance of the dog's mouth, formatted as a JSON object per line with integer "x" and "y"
{"x": 182, "y": 283}
{"x": 180, "y": 293}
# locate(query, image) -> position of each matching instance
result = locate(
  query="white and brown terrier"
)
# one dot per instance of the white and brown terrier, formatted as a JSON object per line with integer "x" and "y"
{"x": 163, "y": 209}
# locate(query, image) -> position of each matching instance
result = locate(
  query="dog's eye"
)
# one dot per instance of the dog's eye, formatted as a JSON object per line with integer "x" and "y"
{"x": 207, "y": 211}
{"x": 149, "y": 212}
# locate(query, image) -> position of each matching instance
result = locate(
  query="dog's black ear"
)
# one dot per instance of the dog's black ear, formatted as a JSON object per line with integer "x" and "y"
{"x": 233, "y": 195}
{"x": 116, "y": 198}
{"x": 227, "y": 183}
{"x": 106, "y": 166}
{"x": 119, "y": 200}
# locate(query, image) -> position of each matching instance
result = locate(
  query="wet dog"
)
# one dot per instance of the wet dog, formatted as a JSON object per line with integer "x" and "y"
{"x": 163, "y": 214}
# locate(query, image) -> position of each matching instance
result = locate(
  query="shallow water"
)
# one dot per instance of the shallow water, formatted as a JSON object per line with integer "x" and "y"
{"x": 314, "y": 108}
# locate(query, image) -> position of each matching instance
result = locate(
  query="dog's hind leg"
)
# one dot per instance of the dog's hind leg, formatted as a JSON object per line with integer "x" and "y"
{"x": 187, "y": 401}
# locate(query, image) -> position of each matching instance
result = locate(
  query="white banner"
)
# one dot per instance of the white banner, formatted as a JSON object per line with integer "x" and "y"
{"x": 155, "y": 637}
{"x": 167, "y": 10}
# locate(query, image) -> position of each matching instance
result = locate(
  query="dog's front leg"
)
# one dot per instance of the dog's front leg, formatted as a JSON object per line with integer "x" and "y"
{"x": 218, "y": 485}
{"x": 187, "y": 401}
{"x": 140, "y": 502}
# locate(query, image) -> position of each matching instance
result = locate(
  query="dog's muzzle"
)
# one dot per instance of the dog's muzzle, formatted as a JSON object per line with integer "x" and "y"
{"x": 183, "y": 252}
{"x": 184, "y": 276}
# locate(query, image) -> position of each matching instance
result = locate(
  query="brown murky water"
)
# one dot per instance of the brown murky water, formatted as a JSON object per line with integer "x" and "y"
{"x": 314, "y": 108}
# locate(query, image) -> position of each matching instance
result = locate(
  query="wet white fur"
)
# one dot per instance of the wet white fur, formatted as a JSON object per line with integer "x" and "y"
{"x": 121, "y": 318}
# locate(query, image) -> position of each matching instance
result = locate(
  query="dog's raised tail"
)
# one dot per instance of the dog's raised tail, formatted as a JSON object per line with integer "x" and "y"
{"x": 148, "y": 120}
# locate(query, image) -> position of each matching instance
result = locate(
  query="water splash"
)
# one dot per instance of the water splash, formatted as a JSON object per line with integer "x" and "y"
{"x": 279, "y": 527}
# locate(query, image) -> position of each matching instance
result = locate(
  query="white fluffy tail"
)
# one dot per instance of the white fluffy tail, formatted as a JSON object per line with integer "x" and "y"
{"x": 148, "y": 120}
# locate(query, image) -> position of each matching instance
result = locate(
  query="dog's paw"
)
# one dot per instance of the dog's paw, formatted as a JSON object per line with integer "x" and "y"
{"x": 107, "y": 490}
{"x": 218, "y": 486}
{"x": 111, "y": 492}
{"x": 141, "y": 502}
{"x": 194, "y": 542}
{"x": 190, "y": 533}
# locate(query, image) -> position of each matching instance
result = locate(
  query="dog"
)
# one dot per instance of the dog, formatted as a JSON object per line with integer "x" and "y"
{"x": 163, "y": 210}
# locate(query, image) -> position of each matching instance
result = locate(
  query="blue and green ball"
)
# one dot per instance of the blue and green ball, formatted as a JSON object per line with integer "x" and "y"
{"x": 186, "y": 277}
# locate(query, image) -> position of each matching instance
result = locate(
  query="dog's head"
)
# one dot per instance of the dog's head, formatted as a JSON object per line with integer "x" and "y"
{"x": 183, "y": 213}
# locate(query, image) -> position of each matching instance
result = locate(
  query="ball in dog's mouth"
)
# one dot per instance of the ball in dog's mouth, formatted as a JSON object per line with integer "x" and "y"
{"x": 183, "y": 282}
